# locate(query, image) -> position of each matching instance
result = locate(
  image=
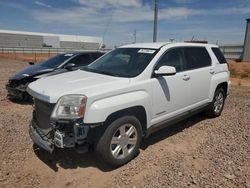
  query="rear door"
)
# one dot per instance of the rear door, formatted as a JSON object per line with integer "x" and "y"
{"x": 198, "y": 70}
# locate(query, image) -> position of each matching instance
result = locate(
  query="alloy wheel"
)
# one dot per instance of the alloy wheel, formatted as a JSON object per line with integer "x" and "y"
{"x": 123, "y": 141}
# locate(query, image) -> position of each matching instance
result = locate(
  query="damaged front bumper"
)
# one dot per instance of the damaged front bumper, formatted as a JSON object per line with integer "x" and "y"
{"x": 17, "y": 92}
{"x": 39, "y": 139}
{"x": 66, "y": 134}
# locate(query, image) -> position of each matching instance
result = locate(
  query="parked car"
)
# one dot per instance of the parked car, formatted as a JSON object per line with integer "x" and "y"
{"x": 126, "y": 95}
{"x": 18, "y": 83}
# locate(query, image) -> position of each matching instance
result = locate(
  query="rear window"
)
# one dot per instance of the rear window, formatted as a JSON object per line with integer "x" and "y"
{"x": 219, "y": 55}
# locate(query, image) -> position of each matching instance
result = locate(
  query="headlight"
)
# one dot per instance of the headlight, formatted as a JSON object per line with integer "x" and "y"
{"x": 70, "y": 107}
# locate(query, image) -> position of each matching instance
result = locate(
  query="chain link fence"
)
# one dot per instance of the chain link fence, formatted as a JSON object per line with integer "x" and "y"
{"x": 36, "y": 54}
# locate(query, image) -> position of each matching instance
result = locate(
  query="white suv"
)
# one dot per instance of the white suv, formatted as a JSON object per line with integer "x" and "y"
{"x": 126, "y": 95}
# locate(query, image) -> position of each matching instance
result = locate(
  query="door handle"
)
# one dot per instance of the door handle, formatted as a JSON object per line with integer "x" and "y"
{"x": 211, "y": 71}
{"x": 186, "y": 77}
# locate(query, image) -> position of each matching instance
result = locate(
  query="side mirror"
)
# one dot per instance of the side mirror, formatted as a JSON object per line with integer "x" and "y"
{"x": 70, "y": 66}
{"x": 31, "y": 63}
{"x": 165, "y": 71}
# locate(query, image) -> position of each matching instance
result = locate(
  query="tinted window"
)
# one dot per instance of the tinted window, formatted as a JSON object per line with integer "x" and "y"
{"x": 56, "y": 60}
{"x": 196, "y": 57}
{"x": 172, "y": 58}
{"x": 81, "y": 60}
{"x": 219, "y": 55}
{"x": 96, "y": 55}
{"x": 123, "y": 62}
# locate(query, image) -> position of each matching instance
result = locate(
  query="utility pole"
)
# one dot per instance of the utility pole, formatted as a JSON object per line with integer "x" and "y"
{"x": 134, "y": 36}
{"x": 155, "y": 21}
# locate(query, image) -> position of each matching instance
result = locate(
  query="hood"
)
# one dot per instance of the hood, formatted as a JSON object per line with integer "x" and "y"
{"x": 58, "y": 71}
{"x": 31, "y": 71}
{"x": 51, "y": 88}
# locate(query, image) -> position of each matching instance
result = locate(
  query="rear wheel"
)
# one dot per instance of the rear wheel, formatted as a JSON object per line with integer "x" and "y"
{"x": 216, "y": 107}
{"x": 121, "y": 141}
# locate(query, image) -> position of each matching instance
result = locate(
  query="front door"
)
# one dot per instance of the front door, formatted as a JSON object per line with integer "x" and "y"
{"x": 171, "y": 94}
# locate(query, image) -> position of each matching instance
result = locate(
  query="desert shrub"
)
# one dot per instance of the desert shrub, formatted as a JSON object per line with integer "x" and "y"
{"x": 233, "y": 73}
{"x": 244, "y": 75}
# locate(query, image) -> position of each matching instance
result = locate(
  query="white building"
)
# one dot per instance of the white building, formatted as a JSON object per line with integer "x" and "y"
{"x": 10, "y": 38}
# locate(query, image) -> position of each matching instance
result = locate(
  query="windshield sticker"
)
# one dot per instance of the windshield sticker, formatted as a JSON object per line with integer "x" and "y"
{"x": 68, "y": 55}
{"x": 146, "y": 51}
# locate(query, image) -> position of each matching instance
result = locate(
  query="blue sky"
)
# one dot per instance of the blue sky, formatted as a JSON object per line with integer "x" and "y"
{"x": 116, "y": 20}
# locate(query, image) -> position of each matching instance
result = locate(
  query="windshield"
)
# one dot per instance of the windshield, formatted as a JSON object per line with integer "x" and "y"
{"x": 55, "y": 61}
{"x": 123, "y": 62}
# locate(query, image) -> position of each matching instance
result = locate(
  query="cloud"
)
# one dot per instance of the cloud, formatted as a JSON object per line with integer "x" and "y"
{"x": 233, "y": 10}
{"x": 112, "y": 3}
{"x": 39, "y": 3}
{"x": 184, "y": 1}
{"x": 12, "y": 5}
{"x": 128, "y": 11}
{"x": 120, "y": 18}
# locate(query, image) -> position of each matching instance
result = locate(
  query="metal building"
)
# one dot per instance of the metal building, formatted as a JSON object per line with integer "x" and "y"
{"x": 246, "y": 52}
{"x": 9, "y": 38}
{"x": 232, "y": 51}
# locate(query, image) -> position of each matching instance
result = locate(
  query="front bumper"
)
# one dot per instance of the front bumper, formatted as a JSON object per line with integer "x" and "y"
{"x": 15, "y": 92}
{"x": 80, "y": 137}
{"x": 38, "y": 139}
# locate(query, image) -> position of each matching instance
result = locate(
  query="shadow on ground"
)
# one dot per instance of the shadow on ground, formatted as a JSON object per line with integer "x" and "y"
{"x": 21, "y": 102}
{"x": 70, "y": 159}
{"x": 172, "y": 130}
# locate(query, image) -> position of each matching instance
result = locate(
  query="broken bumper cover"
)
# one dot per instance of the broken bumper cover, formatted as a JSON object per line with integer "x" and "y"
{"x": 40, "y": 140}
{"x": 80, "y": 140}
{"x": 14, "y": 92}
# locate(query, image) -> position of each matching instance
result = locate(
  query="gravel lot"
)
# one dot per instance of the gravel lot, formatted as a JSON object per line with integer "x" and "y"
{"x": 197, "y": 152}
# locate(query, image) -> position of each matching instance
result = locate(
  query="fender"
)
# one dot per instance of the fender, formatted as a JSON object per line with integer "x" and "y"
{"x": 99, "y": 110}
{"x": 216, "y": 80}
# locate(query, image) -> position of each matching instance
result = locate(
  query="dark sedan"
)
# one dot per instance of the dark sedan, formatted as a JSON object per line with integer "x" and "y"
{"x": 18, "y": 83}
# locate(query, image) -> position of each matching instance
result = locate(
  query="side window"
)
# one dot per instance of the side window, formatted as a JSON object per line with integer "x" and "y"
{"x": 81, "y": 60}
{"x": 96, "y": 56}
{"x": 219, "y": 55}
{"x": 172, "y": 58}
{"x": 196, "y": 57}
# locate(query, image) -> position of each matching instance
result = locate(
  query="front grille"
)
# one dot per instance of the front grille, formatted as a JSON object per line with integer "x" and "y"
{"x": 43, "y": 111}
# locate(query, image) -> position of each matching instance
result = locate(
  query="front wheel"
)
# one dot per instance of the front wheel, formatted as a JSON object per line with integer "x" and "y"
{"x": 121, "y": 141}
{"x": 216, "y": 107}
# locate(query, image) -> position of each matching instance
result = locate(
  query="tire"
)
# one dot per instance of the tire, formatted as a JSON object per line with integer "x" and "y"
{"x": 216, "y": 107}
{"x": 114, "y": 146}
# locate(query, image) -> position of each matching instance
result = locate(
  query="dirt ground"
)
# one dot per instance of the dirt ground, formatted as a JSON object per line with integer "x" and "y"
{"x": 240, "y": 73}
{"x": 197, "y": 152}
